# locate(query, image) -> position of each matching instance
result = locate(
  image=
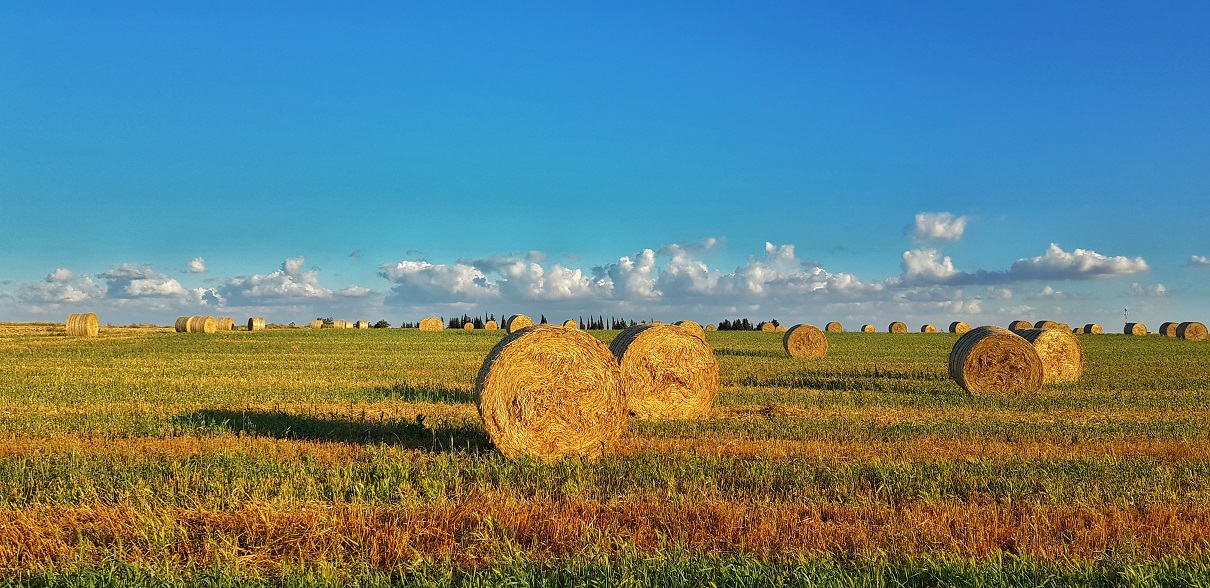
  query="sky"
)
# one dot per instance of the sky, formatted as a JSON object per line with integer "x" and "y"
{"x": 861, "y": 162}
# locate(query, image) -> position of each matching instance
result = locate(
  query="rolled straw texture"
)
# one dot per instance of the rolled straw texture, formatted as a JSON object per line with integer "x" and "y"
{"x": 1192, "y": 330}
{"x": 834, "y": 327}
{"x": 1020, "y": 325}
{"x": 1045, "y": 325}
{"x": 868, "y": 328}
{"x": 1135, "y": 329}
{"x": 1168, "y": 329}
{"x": 361, "y": 325}
{"x": 667, "y": 373}
{"x": 1077, "y": 331}
{"x": 1061, "y": 353}
{"x": 256, "y": 323}
{"x": 548, "y": 392}
{"x": 182, "y": 324}
{"x": 224, "y": 323}
{"x": 711, "y": 328}
{"x": 897, "y": 327}
{"x": 928, "y": 329}
{"x": 1093, "y": 329}
{"x": 995, "y": 360}
{"x": 82, "y": 325}
{"x": 317, "y": 324}
{"x": 805, "y": 340}
{"x": 768, "y": 328}
{"x": 517, "y": 322}
{"x": 959, "y": 327}
{"x": 468, "y": 326}
{"x": 338, "y": 324}
{"x": 200, "y": 324}
{"x": 491, "y": 326}
{"x": 432, "y": 323}
{"x": 570, "y": 324}
{"x": 694, "y": 329}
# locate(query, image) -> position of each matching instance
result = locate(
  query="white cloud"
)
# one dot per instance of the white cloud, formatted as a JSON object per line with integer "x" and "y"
{"x": 421, "y": 282}
{"x": 1051, "y": 293}
{"x": 1081, "y": 264}
{"x": 197, "y": 265}
{"x": 927, "y": 265}
{"x": 1199, "y": 260}
{"x": 131, "y": 280}
{"x": 290, "y": 284}
{"x": 938, "y": 226}
{"x": 1149, "y": 291}
{"x": 61, "y": 286}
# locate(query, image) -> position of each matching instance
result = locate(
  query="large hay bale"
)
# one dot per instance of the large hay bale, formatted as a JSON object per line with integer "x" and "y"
{"x": 868, "y": 328}
{"x": 182, "y": 324}
{"x": 667, "y": 373}
{"x": 224, "y": 323}
{"x": 1192, "y": 330}
{"x": 468, "y": 326}
{"x": 517, "y": 322}
{"x": 338, "y": 324}
{"x": 959, "y": 327}
{"x": 711, "y": 328}
{"x": 491, "y": 326}
{"x": 1168, "y": 329}
{"x": 694, "y": 329}
{"x": 317, "y": 324}
{"x": 897, "y": 327}
{"x": 546, "y": 392}
{"x": 1093, "y": 329}
{"x": 805, "y": 340}
{"x": 995, "y": 360}
{"x": 928, "y": 328}
{"x": 82, "y": 325}
{"x": 200, "y": 324}
{"x": 571, "y": 324}
{"x": 1020, "y": 325}
{"x": 834, "y": 327}
{"x": 256, "y": 323}
{"x": 1061, "y": 353}
{"x": 432, "y": 323}
{"x": 361, "y": 325}
{"x": 1045, "y": 325}
{"x": 768, "y": 327}
{"x": 1135, "y": 329}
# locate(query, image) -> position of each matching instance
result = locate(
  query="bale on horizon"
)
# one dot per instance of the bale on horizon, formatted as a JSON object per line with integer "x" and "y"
{"x": 224, "y": 323}
{"x": 1168, "y": 329}
{"x": 1093, "y": 329}
{"x": 1061, "y": 353}
{"x": 897, "y": 327}
{"x": 928, "y": 329}
{"x": 571, "y": 324}
{"x": 1192, "y": 331}
{"x": 256, "y": 323}
{"x": 711, "y": 328}
{"x": 834, "y": 327}
{"x": 317, "y": 324}
{"x": 694, "y": 329}
{"x": 491, "y": 326}
{"x": 468, "y": 326}
{"x": 868, "y": 328}
{"x": 995, "y": 360}
{"x": 361, "y": 325}
{"x": 1135, "y": 329}
{"x": 768, "y": 327}
{"x": 517, "y": 322}
{"x": 200, "y": 324}
{"x": 803, "y": 340}
{"x": 1045, "y": 325}
{"x": 667, "y": 373}
{"x": 1020, "y": 325}
{"x": 82, "y": 325}
{"x": 432, "y": 323}
{"x": 959, "y": 327}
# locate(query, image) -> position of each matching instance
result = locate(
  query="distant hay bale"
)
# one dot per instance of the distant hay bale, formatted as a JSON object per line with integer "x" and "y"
{"x": 928, "y": 329}
{"x": 1168, "y": 329}
{"x": 224, "y": 323}
{"x": 768, "y": 327}
{"x": 667, "y": 373}
{"x": 182, "y": 324}
{"x": 82, "y": 325}
{"x": 959, "y": 327}
{"x": 1020, "y": 325}
{"x": 517, "y": 322}
{"x": 780, "y": 329}
{"x": 694, "y": 329}
{"x": 570, "y": 324}
{"x": 868, "y": 328}
{"x": 349, "y": 324}
{"x": 432, "y": 323}
{"x": 256, "y": 323}
{"x": 1077, "y": 331}
{"x": 1045, "y": 325}
{"x": 547, "y": 392}
{"x": 711, "y": 328}
{"x": 1135, "y": 329}
{"x": 200, "y": 324}
{"x": 1064, "y": 327}
{"x": 491, "y": 326}
{"x": 1192, "y": 330}
{"x": 317, "y": 324}
{"x": 1093, "y": 329}
{"x": 805, "y": 340}
{"x": 361, "y": 325}
{"x": 995, "y": 360}
{"x": 1061, "y": 353}
{"x": 897, "y": 327}
{"x": 338, "y": 324}
{"x": 834, "y": 327}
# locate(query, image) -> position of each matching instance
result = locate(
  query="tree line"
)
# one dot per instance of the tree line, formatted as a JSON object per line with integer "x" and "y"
{"x": 596, "y": 323}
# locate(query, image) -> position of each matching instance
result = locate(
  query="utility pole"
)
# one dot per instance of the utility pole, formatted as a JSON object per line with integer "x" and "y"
{"x": 1126, "y": 315}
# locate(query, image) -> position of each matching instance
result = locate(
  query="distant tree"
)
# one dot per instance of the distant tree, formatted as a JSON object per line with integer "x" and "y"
{"x": 382, "y": 324}
{"x": 775, "y": 323}
{"x": 478, "y": 322}
{"x": 543, "y": 320}
{"x": 326, "y": 320}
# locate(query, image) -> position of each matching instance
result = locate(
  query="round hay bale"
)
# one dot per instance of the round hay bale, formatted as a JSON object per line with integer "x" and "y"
{"x": 491, "y": 326}
{"x": 768, "y": 327}
{"x": 1045, "y": 325}
{"x": 317, "y": 324}
{"x": 1064, "y": 327}
{"x": 1020, "y": 325}
{"x": 200, "y": 324}
{"x": 349, "y": 324}
{"x": 468, "y": 326}
{"x": 896, "y": 327}
{"x": 834, "y": 327}
{"x": 546, "y": 392}
{"x": 711, "y": 328}
{"x": 361, "y": 325}
{"x": 1168, "y": 329}
{"x": 432, "y": 323}
{"x": 1077, "y": 331}
{"x": 517, "y": 322}
{"x": 182, "y": 324}
{"x": 805, "y": 340}
{"x": 256, "y": 323}
{"x": 868, "y": 328}
{"x": 1093, "y": 329}
{"x": 224, "y": 323}
{"x": 82, "y": 325}
{"x": 571, "y": 324}
{"x": 667, "y": 373}
{"x": 694, "y": 329}
{"x": 995, "y": 360}
{"x": 1061, "y": 353}
{"x": 780, "y": 329}
{"x": 959, "y": 327}
{"x": 1192, "y": 330}
{"x": 338, "y": 324}
{"x": 928, "y": 329}
{"x": 1135, "y": 329}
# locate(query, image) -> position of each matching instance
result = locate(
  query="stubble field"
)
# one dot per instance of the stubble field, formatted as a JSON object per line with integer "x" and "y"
{"x": 343, "y": 457}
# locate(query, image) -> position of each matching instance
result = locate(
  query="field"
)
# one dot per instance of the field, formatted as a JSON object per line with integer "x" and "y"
{"x": 341, "y": 457}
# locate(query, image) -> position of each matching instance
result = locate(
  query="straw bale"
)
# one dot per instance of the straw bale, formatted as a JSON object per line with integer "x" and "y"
{"x": 667, "y": 373}
{"x": 1020, "y": 325}
{"x": 1135, "y": 329}
{"x": 547, "y": 392}
{"x": 349, "y": 324}
{"x": 834, "y": 327}
{"x": 200, "y": 324}
{"x": 995, "y": 360}
{"x": 517, "y": 322}
{"x": 1077, "y": 331}
{"x": 780, "y": 329}
{"x": 432, "y": 323}
{"x": 338, "y": 324}
{"x": 317, "y": 324}
{"x": 805, "y": 340}
{"x": 491, "y": 326}
{"x": 256, "y": 323}
{"x": 224, "y": 323}
{"x": 768, "y": 328}
{"x": 711, "y": 328}
{"x": 1168, "y": 329}
{"x": 182, "y": 324}
{"x": 1045, "y": 325}
{"x": 868, "y": 328}
{"x": 1061, "y": 353}
{"x": 928, "y": 329}
{"x": 1093, "y": 329}
{"x": 82, "y": 325}
{"x": 694, "y": 329}
{"x": 959, "y": 327}
{"x": 897, "y": 327}
{"x": 1192, "y": 330}
{"x": 571, "y": 324}
{"x": 1064, "y": 327}
{"x": 361, "y": 325}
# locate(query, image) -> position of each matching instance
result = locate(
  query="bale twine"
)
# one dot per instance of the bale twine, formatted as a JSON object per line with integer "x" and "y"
{"x": 570, "y": 324}
{"x": 361, "y": 325}
{"x": 182, "y": 324}
{"x": 805, "y": 340}
{"x": 431, "y": 323}
{"x": 868, "y": 328}
{"x": 667, "y": 373}
{"x": 1020, "y": 325}
{"x": 256, "y": 323}
{"x": 491, "y": 326}
{"x": 711, "y": 328}
{"x": 959, "y": 327}
{"x": 1093, "y": 329}
{"x": 317, "y": 324}
{"x": 694, "y": 329}
{"x": 1061, "y": 353}
{"x": 200, "y": 324}
{"x": 547, "y": 392}
{"x": 468, "y": 326}
{"x": 1135, "y": 329}
{"x": 928, "y": 329}
{"x": 768, "y": 328}
{"x": 517, "y": 322}
{"x": 82, "y": 325}
{"x": 1044, "y": 325}
{"x": 896, "y": 327}
{"x": 224, "y": 323}
{"x": 995, "y": 360}
{"x": 1192, "y": 330}
{"x": 834, "y": 327}
{"x": 1168, "y": 329}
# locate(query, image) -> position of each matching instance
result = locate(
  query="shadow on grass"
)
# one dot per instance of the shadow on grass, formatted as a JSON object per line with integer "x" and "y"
{"x": 431, "y": 394}
{"x": 282, "y": 425}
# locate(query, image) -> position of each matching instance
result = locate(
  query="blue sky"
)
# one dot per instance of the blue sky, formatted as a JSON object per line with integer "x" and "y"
{"x": 860, "y": 162}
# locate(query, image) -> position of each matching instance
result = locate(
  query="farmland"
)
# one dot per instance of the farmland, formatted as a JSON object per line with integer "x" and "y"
{"x": 324, "y": 457}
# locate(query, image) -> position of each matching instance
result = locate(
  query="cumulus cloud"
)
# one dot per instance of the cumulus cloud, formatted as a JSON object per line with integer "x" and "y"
{"x": 289, "y": 284}
{"x": 421, "y": 282}
{"x": 61, "y": 286}
{"x": 1148, "y": 291}
{"x": 937, "y": 226}
{"x": 131, "y": 280}
{"x": 197, "y": 265}
{"x": 927, "y": 266}
{"x": 1199, "y": 260}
